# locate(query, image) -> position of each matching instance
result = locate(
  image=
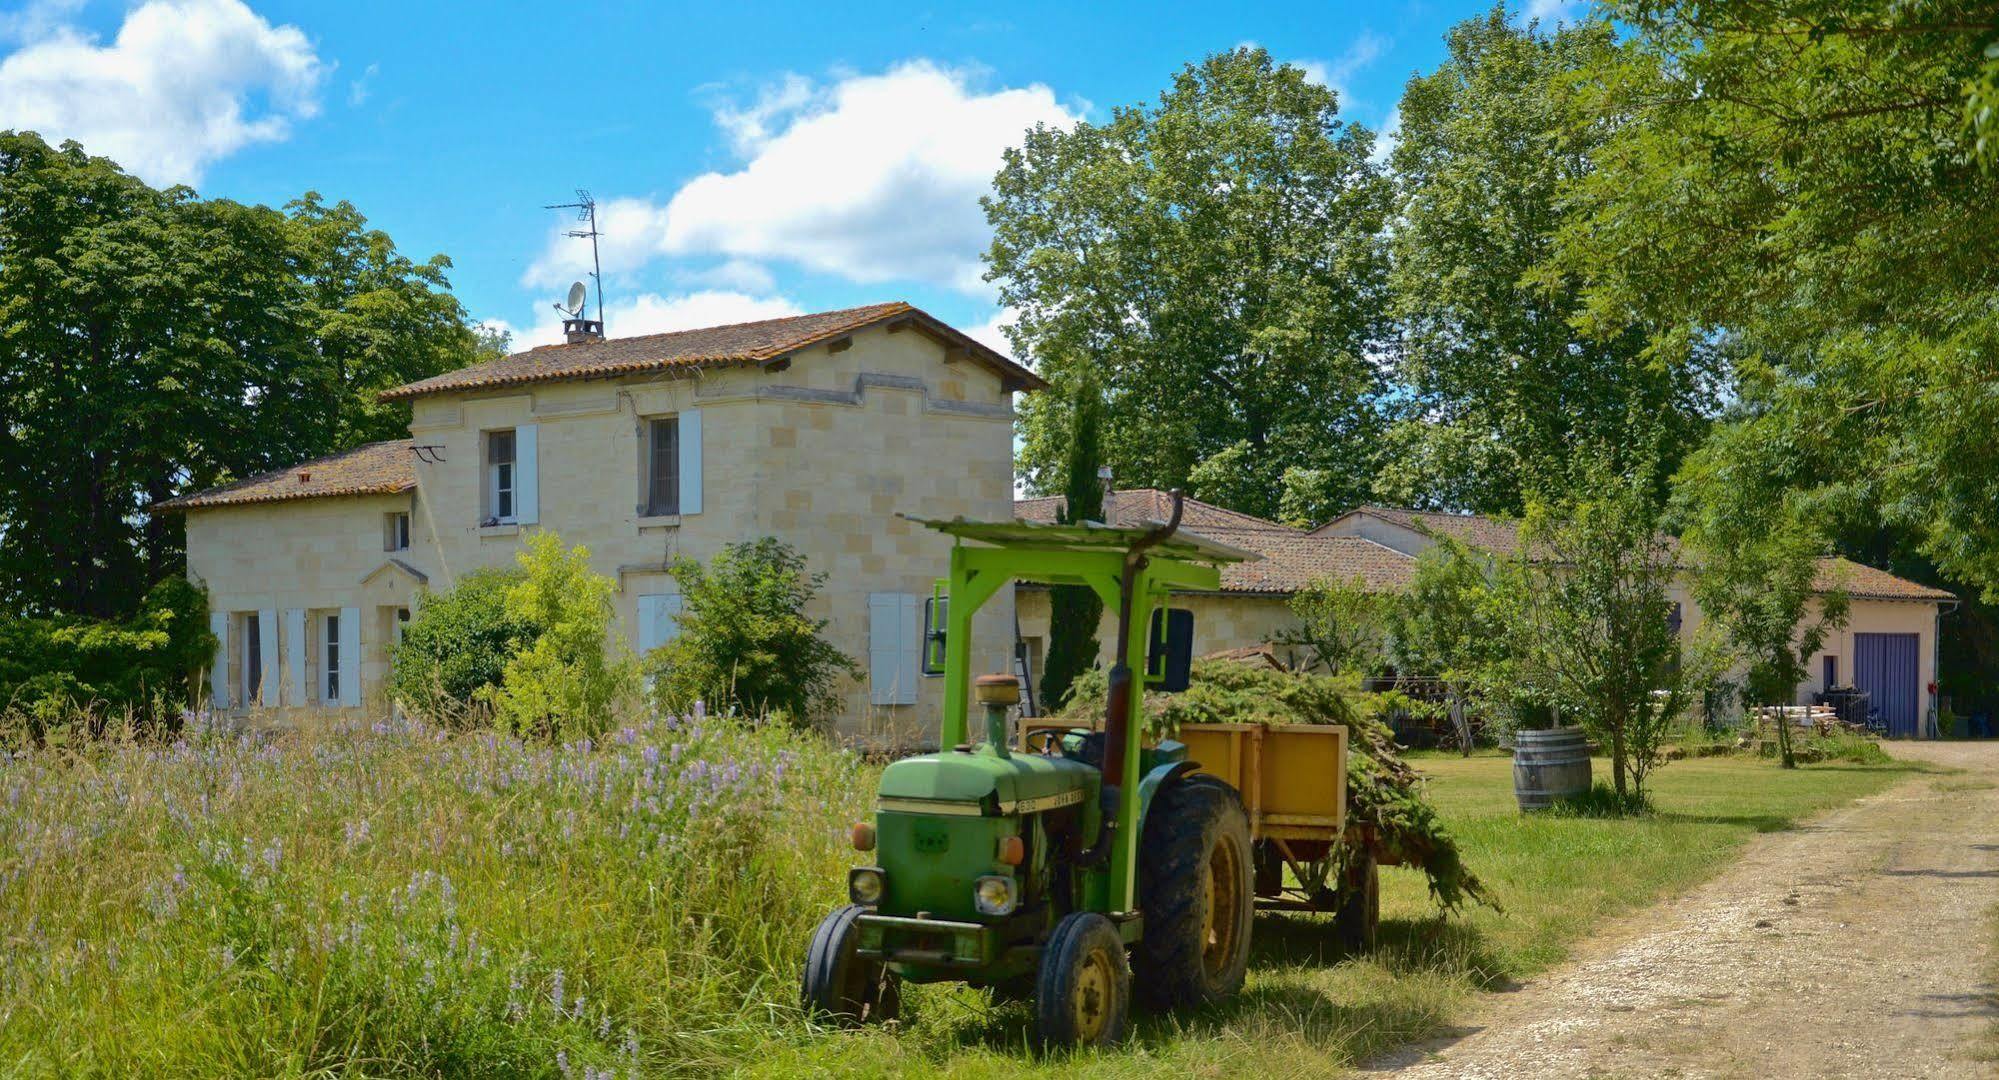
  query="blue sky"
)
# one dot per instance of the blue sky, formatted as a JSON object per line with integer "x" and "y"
{"x": 750, "y": 160}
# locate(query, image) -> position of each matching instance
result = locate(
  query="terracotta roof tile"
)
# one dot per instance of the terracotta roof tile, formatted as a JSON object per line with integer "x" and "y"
{"x": 381, "y": 468}
{"x": 712, "y": 346}
{"x": 1502, "y": 536}
{"x": 1866, "y": 583}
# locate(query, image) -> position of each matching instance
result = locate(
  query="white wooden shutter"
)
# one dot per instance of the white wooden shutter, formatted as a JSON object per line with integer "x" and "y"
{"x": 350, "y": 656}
{"x": 690, "y": 461}
{"x": 895, "y": 645}
{"x": 267, "y": 651}
{"x": 659, "y": 620}
{"x": 294, "y": 656}
{"x": 218, "y": 672}
{"x": 527, "y": 476}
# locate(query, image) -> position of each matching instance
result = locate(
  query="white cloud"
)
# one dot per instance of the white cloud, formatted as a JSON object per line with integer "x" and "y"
{"x": 740, "y": 274}
{"x": 184, "y": 83}
{"x": 1551, "y": 10}
{"x": 992, "y": 333}
{"x": 1390, "y": 134}
{"x": 359, "y": 89}
{"x": 1338, "y": 74}
{"x": 631, "y": 231}
{"x": 651, "y": 313}
{"x": 871, "y": 178}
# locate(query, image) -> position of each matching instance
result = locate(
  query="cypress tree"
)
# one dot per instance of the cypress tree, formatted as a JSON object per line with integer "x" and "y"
{"x": 1075, "y": 610}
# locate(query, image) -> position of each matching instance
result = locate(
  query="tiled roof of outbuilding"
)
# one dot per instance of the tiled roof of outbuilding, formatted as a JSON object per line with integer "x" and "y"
{"x": 1501, "y": 536}
{"x": 1291, "y": 558}
{"x": 380, "y": 468}
{"x": 713, "y": 346}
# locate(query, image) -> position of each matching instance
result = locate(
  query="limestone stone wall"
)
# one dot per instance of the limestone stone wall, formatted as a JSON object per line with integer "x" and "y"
{"x": 821, "y": 452}
{"x": 314, "y": 555}
{"x": 1222, "y": 621}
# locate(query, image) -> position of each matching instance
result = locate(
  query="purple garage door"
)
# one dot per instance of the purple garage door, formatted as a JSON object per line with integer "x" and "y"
{"x": 1884, "y": 665}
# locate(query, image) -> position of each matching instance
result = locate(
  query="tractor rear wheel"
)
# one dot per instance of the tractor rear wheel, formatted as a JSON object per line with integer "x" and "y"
{"x": 1194, "y": 887}
{"x": 1083, "y": 994}
{"x": 841, "y": 986}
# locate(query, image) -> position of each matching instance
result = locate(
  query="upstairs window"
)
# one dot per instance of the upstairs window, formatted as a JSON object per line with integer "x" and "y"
{"x": 662, "y": 466}
{"x": 501, "y": 477}
{"x": 396, "y": 532}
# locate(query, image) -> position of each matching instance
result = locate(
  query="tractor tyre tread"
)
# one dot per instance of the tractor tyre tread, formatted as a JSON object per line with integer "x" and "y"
{"x": 1187, "y": 820}
{"x": 1068, "y": 945}
{"x": 824, "y": 985}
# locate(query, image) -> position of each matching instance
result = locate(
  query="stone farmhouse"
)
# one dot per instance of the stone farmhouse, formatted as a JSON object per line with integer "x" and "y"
{"x": 816, "y": 429}
{"x": 1888, "y": 646}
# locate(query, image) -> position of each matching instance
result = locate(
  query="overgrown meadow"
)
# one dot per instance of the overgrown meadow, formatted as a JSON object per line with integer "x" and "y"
{"x": 390, "y": 899}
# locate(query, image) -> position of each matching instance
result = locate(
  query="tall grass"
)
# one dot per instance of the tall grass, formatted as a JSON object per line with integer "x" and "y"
{"x": 389, "y": 899}
{"x": 393, "y": 900}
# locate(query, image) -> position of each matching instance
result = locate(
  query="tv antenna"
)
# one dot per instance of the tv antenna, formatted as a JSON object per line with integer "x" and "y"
{"x": 586, "y": 212}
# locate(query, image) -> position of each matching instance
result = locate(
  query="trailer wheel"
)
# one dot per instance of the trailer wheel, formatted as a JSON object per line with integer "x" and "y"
{"x": 1357, "y": 916}
{"x": 1083, "y": 994}
{"x": 842, "y": 987}
{"x": 1194, "y": 887}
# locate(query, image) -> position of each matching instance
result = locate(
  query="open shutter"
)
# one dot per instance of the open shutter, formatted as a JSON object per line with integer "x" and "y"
{"x": 527, "y": 476}
{"x": 350, "y": 657}
{"x": 690, "y": 461}
{"x": 895, "y": 644}
{"x": 295, "y": 656}
{"x": 267, "y": 650}
{"x": 218, "y": 672}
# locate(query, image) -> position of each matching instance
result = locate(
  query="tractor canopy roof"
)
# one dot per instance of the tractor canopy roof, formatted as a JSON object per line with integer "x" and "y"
{"x": 1088, "y": 536}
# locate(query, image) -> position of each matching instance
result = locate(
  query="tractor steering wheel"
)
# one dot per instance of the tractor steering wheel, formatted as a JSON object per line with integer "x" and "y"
{"x": 1049, "y": 742}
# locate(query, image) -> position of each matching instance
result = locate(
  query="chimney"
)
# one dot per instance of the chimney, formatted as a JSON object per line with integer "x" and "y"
{"x": 579, "y": 331}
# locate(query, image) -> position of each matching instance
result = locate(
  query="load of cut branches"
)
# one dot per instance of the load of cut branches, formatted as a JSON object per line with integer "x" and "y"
{"x": 1384, "y": 793}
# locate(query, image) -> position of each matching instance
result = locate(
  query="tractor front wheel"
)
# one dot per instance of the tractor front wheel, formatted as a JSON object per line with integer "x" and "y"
{"x": 1083, "y": 994}
{"x": 841, "y": 986}
{"x": 1194, "y": 886}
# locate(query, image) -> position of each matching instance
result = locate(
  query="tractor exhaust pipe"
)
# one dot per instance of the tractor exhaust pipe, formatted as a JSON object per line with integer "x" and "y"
{"x": 1118, "y": 696}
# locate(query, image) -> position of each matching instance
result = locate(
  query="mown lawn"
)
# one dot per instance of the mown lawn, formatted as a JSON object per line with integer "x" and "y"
{"x": 396, "y": 901}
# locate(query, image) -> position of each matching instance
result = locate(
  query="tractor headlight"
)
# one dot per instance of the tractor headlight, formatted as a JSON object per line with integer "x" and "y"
{"x": 996, "y": 895}
{"x": 864, "y": 885}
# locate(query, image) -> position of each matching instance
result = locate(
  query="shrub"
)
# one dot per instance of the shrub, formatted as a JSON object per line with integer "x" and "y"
{"x": 566, "y": 680}
{"x": 744, "y": 642}
{"x": 457, "y": 647}
{"x": 77, "y": 673}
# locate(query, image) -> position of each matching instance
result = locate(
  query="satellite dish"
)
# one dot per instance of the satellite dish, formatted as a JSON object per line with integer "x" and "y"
{"x": 577, "y": 294}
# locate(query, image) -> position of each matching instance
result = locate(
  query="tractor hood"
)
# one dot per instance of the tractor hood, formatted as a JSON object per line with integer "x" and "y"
{"x": 954, "y": 781}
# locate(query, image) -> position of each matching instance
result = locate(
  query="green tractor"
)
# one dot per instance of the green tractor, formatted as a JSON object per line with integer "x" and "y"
{"x": 1078, "y": 869}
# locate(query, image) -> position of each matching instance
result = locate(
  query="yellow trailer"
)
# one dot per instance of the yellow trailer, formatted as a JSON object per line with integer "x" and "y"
{"x": 1293, "y": 781}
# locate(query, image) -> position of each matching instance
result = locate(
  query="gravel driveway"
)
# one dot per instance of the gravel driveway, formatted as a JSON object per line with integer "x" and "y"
{"x": 1855, "y": 946}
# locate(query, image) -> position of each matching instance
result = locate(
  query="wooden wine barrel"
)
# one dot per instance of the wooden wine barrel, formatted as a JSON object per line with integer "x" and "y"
{"x": 1549, "y": 766}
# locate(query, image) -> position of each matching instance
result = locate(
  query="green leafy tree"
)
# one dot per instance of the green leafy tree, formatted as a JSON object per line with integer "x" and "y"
{"x": 1453, "y": 624}
{"x": 1595, "y": 627}
{"x": 457, "y": 647}
{"x": 1343, "y": 628}
{"x": 1757, "y": 560}
{"x": 569, "y": 678}
{"x": 82, "y": 673}
{"x": 1075, "y": 611}
{"x": 1218, "y": 259}
{"x": 153, "y": 342}
{"x": 1508, "y": 388}
{"x": 1800, "y": 176}
{"x": 744, "y": 641}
